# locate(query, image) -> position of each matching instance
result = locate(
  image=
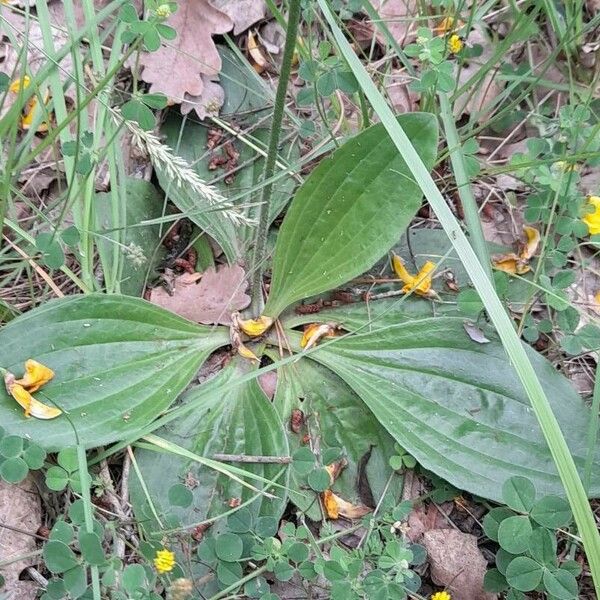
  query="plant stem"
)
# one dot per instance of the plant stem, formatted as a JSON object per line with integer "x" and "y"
{"x": 457, "y": 158}
{"x": 260, "y": 244}
{"x": 88, "y": 513}
{"x": 592, "y": 436}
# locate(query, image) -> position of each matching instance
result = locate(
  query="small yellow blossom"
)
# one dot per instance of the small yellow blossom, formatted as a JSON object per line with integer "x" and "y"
{"x": 441, "y": 596}
{"x": 562, "y": 166}
{"x": 255, "y": 327}
{"x": 419, "y": 283}
{"x": 455, "y": 44}
{"x": 245, "y": 352}
{"x": 20, "y": 390}
{"x": 592, "y": 219}
{"x": 164, "y": 561}
{"x": 163, "y": 11}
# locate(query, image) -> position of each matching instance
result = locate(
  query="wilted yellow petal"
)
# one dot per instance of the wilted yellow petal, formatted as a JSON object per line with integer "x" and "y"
{"x": 446, "y": 25}
{"x": 533, "y": 241}
{"x": 245, "y": 352}
{"x": 401, "y": 271}
{"x": 315, "y": 331}
{"x": 511, "y": 264}
{"x": 256, "y": 53}
{"x": 19, "y": 84}
{"x": 30, "y": 113}
{"x": 592, "y": 220}
{"x": 31, "y": 406}
{"x": 330, "y": 504}
{"x": 336, "y": 507}
{"x": 419, "y": 283}
{"x": 36, "y": 375}
{"x": 255, "y": 327}
{"x": 423, "y": 277}
{"x": 335, "y": 468}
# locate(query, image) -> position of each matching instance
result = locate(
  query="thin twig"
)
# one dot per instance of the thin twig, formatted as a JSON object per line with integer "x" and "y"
{"x": 247, "y": 458}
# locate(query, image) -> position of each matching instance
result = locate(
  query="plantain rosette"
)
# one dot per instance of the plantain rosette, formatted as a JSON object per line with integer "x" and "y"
{"x": 396, "y": 374}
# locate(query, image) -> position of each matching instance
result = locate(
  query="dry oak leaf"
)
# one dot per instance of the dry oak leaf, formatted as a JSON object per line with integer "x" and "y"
{"x": 456, "y": 563}
{"x": 176, "y": 69}
{"x": 20, "y": 507}
{"x": 243, "y": 13}
{"x": 208, "y": 297}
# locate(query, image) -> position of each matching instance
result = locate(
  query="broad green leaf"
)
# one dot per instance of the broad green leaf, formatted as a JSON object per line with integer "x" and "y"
{"x": 352, "y": 209}
{"x": 519, "y": 494}
{"x": 342, "y": 419}
{"x": 235, "y": 419}
{"x": 514, "y": 534}
{"x": 552, "y": 512}
{"x": 118, "y": 362}
{"x": 59, "y": 557}
{"x": 457, "y": 406}
{"x": 561, "y": 584}
{"x": 524, "y": 574}
{"x": 138, "y": 248}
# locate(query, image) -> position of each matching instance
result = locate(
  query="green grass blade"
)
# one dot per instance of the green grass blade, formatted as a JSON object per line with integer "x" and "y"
{"x": 463, "y": 185}
{"x": 512, "y": 344}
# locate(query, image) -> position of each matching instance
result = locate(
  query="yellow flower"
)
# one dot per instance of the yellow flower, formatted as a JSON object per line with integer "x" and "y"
{"x": 21, "y": 394}
{"x": 36, "y": 375}
{"x": 519, "y": 263}
{"x": 255, "y": 327}
{"x": 455, "y": 44}
{"x": 419, "y": 283}
{"x": 441, "y": 596}
{"x": 163, "y": 11}
{"x": 164, "y": 561}
{"x": 592, "y": 220}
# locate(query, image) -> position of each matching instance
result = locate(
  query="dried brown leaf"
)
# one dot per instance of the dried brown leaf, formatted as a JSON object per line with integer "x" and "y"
{"x": 206, "y": 298}
{"x": 456, "y": 563}
{"x": 475, "y": 333}
{"x": 399, "y": 17}
{"x": 208, "y": 103}
{"x": 176, "y": 69}
{"x": 243, "y": 13}
{"x": 20, "y": 508}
